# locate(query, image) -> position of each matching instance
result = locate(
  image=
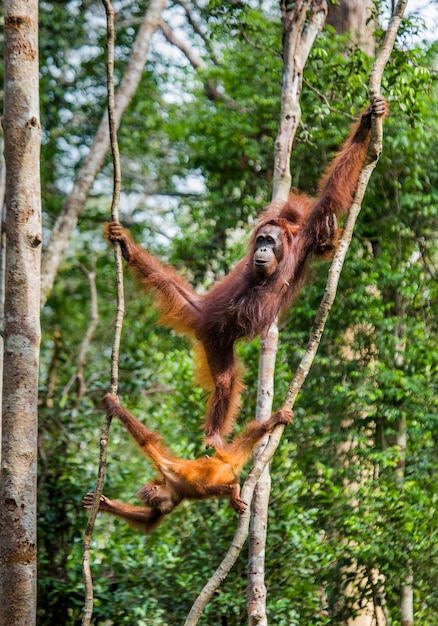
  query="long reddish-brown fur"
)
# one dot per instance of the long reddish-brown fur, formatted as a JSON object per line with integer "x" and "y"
{"x": 245, "y": 303}
{"x": 197, "y": 479}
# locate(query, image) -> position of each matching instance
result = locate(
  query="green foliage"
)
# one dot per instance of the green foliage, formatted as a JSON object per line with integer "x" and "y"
{"x": 347, "y": 500}
{"x": 378, "y": 363}
{"x": 229, "y": 141}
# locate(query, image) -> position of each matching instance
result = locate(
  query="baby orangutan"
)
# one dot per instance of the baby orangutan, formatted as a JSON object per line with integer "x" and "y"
{"x": 198, "y": 479}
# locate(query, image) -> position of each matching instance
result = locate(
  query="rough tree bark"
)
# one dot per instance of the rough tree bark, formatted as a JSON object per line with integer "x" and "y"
{"x": 2, "y": 265}
{"x": 74, "y": 204}
{"x": 301, "y": 25}
{"x": 21, "y": 315}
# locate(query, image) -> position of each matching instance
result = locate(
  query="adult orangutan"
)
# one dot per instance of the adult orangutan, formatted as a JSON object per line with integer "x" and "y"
{"x": 263, "y": 283}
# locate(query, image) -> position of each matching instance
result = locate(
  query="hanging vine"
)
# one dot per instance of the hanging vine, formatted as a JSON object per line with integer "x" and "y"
{"x": 120, "y": 308}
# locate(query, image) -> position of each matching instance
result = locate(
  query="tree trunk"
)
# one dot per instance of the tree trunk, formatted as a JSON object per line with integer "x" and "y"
{"x": 301, "y": 25}
{"x": 21, "y": 315}
{"x": 2, "y": 267}
{"x": 407, "y": 600}
{"x": 400, "y": 439}
{"x": 353, "y": 16}
{"x": 256, "y": 589}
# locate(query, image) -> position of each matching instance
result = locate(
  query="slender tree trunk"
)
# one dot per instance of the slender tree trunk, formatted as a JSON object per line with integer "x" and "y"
{"x": 256, "y": 590}
{"x": 301, "y": 25}
{"x": 21, "y": 316}
{"x": 400, "y": 440}
{"x": 407, "y": 600}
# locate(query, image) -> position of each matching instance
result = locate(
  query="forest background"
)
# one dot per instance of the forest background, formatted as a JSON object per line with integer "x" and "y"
{"x": 352, "y": 517}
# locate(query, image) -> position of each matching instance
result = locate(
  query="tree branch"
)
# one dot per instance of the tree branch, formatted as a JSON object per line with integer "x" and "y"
{"x": 187, "y": 50}
{"x": 197, "y": 29}
{"x": 210, "y": 88}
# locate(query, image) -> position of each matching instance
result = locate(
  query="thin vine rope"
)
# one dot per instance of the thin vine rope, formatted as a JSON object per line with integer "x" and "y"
{"x": 117, "y": 178}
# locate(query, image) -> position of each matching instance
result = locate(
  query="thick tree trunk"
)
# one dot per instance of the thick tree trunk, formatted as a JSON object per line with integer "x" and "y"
{"x": 21, "y": 316}
{"x": 353, "y": 16}
{"x": 2, "y": 267}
